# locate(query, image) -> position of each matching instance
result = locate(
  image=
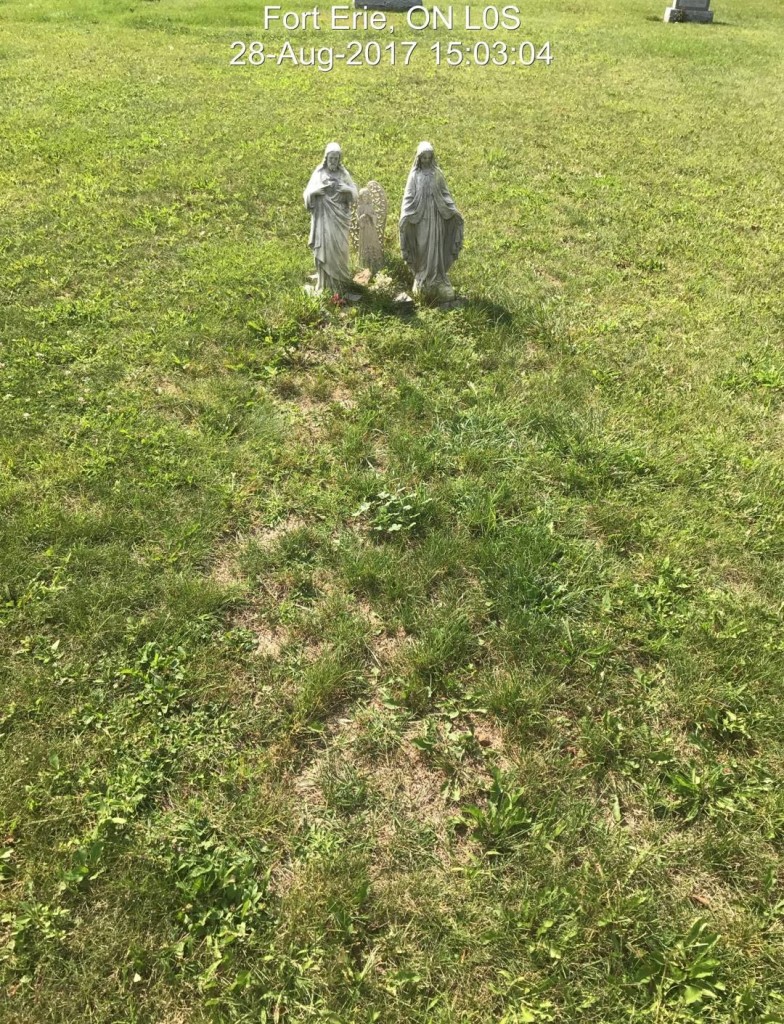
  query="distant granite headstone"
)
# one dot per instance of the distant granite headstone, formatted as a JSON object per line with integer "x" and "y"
{"x": 387, "y": 5}
{"x": 689, "y": 10}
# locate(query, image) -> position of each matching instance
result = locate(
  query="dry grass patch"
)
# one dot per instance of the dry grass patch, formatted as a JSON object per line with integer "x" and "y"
{"x": 344, "y": 398}
{"x": 271, "y": 641}
{"x": 708, "y": 894}
{"x": 489, "y": 736}
{"x": 167, "y": 387}
{"x": 338, "y": 735}
{"x": 226, "y": 571}
{"x": 414, "y": 789}
{"x": 416, "y": 798}
{"x": 387, "y": 648}
{"x": 404, "y": 791}
{"x": 267, "y": 536}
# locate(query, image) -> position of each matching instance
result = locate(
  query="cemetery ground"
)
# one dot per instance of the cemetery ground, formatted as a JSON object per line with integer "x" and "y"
{"x": 361, "y": 667}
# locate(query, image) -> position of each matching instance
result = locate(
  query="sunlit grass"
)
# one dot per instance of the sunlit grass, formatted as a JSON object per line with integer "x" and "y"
{"x": 367, "y": 667}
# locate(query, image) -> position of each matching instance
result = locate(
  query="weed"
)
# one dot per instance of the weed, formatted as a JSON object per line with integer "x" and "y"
{"x": 30, "y": 931}
{"x": 505, "y": 820}
{"x": 222, "y": 889}
{"x": 389, "y": 513}
{"x": 686, "y": 970}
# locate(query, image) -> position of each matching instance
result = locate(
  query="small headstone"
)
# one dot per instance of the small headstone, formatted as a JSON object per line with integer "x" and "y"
{"x": 689, "y": 10}
{"x": 368, "y": 226}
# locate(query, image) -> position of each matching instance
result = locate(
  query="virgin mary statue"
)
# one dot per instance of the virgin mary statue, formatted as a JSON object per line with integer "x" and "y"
{"x": 329, "y": 197}
{"x": 431, "y": 229}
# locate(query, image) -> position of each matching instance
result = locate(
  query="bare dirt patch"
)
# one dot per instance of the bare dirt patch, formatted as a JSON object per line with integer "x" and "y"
{"x": 267, "y": 536}
{"x": 384, "y": 646}
{"x": 488, "y": 734}
{"x": 387, "y": 648}
{"x": 270, "y": 641}
{"x": 168, "y": 388}
{"x": 224, "y": 570}
{"x": 342, "y": 397}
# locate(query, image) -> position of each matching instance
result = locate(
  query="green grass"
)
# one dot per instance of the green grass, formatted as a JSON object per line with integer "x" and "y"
{"x": 266, "y": 757}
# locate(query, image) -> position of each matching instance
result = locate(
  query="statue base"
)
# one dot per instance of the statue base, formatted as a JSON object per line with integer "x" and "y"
{"x": 439, "y": 293}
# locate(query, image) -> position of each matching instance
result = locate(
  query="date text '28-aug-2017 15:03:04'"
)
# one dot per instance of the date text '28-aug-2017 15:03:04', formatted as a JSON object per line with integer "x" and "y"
{"x": 417, "y": 19}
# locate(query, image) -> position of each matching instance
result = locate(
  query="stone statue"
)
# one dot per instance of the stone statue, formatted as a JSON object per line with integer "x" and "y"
{"x": 370, "y": 219}
{"x": 329, "y": 197}
{"x": 431, "y": 229}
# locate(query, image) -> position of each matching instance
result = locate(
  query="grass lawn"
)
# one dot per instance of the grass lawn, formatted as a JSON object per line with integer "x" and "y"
{"x": 357, "y": 667}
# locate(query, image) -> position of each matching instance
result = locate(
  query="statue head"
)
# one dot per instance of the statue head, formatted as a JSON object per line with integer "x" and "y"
{"x": 333, "y": 157}
{"x": 425, "y": 156}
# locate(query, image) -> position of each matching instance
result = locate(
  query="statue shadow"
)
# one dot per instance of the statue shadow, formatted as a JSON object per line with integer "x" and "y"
{"x": 380, "y": 303}
{"x": 489, "y": 310}
{"x": 386, "y": 302}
